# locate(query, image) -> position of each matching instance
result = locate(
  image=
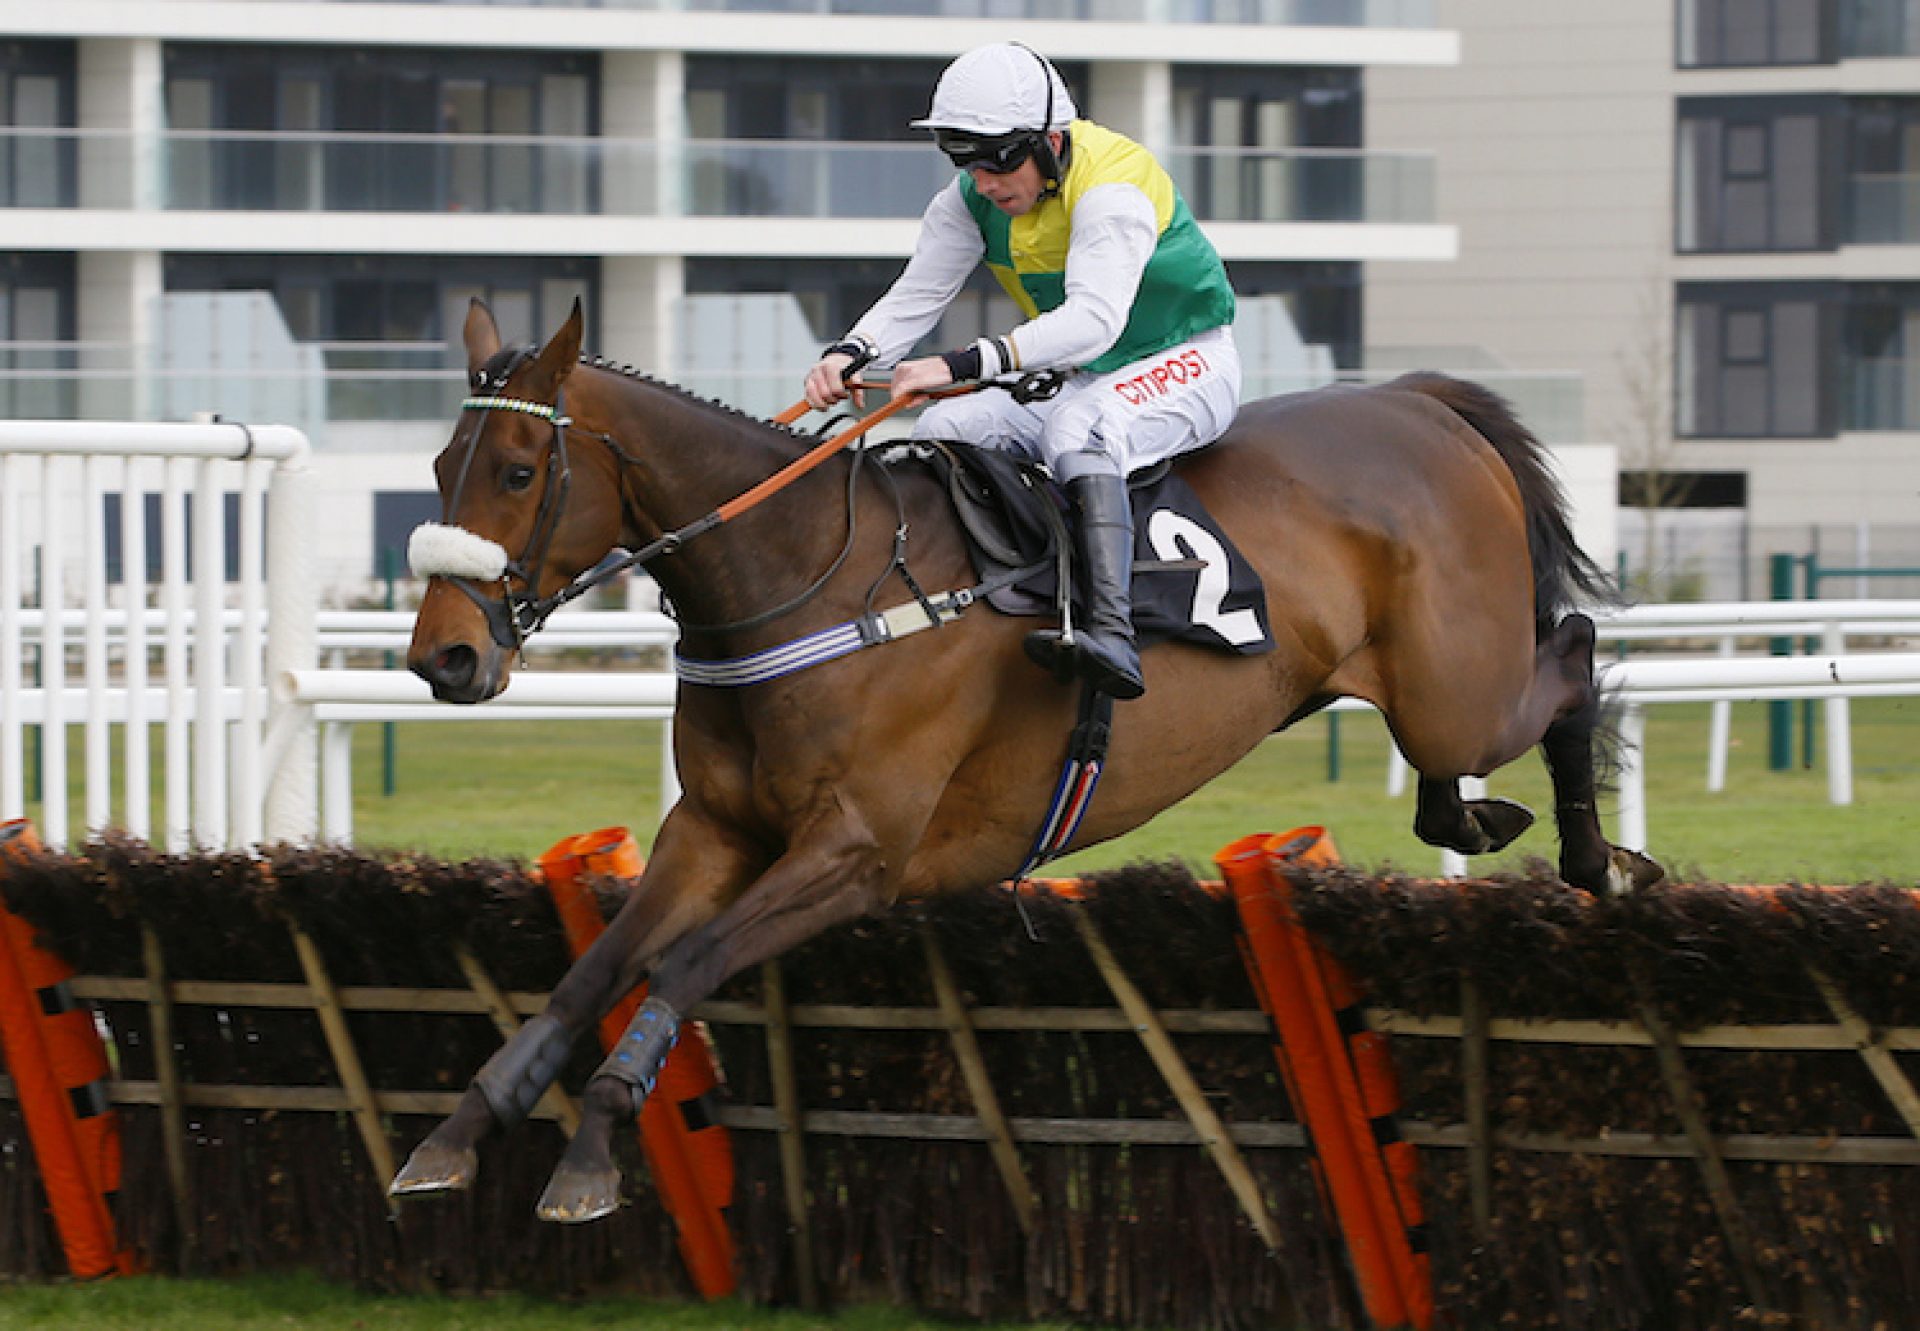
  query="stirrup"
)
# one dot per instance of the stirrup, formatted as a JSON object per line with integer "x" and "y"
{"x": 1050, "y": 650}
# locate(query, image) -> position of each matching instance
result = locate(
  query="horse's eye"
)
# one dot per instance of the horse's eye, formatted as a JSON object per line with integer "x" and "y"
{"x": 519, "y": 477}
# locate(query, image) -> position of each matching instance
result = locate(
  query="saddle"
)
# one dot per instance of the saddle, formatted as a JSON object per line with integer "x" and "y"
{"x": 1015, "y": 518}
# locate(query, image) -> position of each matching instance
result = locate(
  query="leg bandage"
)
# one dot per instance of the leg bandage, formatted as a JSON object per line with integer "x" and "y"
{"x": 514, "y": 1079}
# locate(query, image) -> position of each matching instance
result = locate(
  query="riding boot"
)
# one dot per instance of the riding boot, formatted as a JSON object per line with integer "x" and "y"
{"x": 1103, "y": 649}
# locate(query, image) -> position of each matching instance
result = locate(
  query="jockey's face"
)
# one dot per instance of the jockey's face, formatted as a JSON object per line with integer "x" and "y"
{"x": 1017, "y": 191}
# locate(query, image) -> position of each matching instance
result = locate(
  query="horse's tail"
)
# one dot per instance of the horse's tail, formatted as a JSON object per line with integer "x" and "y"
{"x": 1563, "y": 575}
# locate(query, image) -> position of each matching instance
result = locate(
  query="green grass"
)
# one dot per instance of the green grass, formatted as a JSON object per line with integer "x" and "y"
{"x": 469, "y": 788}
{"x": 257, "y": 1303}
{"x": 466, "y": 788}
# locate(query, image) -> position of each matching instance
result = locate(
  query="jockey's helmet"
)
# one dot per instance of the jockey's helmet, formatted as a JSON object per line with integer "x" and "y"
{"x": 998, "y": 90}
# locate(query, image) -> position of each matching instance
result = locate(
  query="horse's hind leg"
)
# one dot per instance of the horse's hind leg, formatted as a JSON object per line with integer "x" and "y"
{"x": 1587, "y": 859}
{"x": 1471, "y": 827}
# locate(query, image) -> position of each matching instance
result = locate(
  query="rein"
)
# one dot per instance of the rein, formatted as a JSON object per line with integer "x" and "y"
{"x": 514, "y": 617}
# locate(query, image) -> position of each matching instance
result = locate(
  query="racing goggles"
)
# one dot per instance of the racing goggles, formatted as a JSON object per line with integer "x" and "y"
{"x": 997, "y": 154}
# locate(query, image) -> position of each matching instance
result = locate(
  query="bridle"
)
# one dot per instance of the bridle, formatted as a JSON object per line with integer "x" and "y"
{"x": 515, "y": 615}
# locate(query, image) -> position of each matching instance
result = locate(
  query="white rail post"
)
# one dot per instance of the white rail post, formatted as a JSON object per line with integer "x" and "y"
{"x": 1720, "y": 732}
{"x": 53, "y": 660}
{"x": 245, "y": 789}
{"x": 93, "y": 523}
{"x": 1397, "y": 769}
{"x": 1839, "y": 727}
{"x": 13, "y": 786}
{"x": 1452, "y": 863}
{"x": 135, "y": 750}
{"x": 336, "y": 782}
{"x": 173, "y": 604}
{"x": 1633, "y": 777}
{"x": 292, "y": 812}
{"x": 209, "y": 656}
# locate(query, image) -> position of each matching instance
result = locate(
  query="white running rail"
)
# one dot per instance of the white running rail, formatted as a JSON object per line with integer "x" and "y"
{"x": 217, "y": 789}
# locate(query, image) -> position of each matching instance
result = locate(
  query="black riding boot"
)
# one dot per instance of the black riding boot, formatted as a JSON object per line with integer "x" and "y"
{"x": 1103, "y": 649}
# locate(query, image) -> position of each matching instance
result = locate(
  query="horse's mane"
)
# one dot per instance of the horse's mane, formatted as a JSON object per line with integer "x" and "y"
{"x": 501, "y": 365}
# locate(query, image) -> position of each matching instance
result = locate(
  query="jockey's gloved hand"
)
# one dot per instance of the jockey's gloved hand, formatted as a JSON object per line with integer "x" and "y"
{"x": 827, "y": 382}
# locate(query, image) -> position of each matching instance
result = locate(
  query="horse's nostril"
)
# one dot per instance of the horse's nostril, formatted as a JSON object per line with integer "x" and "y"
{"x": 452, "y": 667}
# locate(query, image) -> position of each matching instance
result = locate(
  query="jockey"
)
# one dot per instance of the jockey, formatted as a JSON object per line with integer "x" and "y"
{"x": 1089, "y": 236}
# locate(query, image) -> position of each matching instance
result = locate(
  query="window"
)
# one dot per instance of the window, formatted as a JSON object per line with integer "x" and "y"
{"x": 839, "y": 100}
{"x": 1758, "y": 174}
{"x": 1880, "y": 349}
{"x": 1758, "y": 360}
{"x": 395, "y": 514}
{"x": 378, "y": 314}
{"x": 1323, "y": 299}
{"x": 36, "y": 336}
{"x": 37, "y": 170}
{"x": 1758, "y": 32}
{"x": 395, "y": 130}
{"x": 1232, "y": 125}
{"x": 832, "y": 293}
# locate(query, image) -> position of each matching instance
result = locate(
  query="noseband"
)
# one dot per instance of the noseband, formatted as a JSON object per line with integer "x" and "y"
{"x": 519, "y": 610}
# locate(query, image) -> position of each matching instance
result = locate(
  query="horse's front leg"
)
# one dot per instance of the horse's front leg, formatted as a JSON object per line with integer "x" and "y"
{"x": 808, "y": 890}
{"x": 512, "y": 1081}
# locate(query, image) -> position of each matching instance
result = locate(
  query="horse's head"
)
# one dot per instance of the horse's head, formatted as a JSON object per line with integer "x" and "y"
{"x": 518, "y": 524}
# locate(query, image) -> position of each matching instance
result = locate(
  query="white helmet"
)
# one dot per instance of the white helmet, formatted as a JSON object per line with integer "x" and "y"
{"x": 1000, "y": 89}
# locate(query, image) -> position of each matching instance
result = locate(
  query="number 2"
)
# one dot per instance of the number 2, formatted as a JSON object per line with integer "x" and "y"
{"x": 1176, "y": 536}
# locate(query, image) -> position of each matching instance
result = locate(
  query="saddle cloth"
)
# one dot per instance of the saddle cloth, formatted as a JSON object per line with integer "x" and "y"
{"x": 1189, "y": 580}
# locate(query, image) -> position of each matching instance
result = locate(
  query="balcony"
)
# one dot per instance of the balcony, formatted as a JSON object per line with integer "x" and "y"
{"x": 502, "y": 175}
{"x": 1303, "y": 13}
{"x": 1882, "y": 393}
{"x": 1305, "y": 185}
{"x": 1878, "y": 29}
{"x": 1883, "y": 210}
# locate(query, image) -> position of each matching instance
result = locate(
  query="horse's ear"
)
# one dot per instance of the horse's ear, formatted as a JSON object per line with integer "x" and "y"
{"x": 481, "y": 333}
{"x": 557, "y": 359}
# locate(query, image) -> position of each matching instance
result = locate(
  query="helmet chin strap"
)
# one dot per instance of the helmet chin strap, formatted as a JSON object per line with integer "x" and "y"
{"x": 1053, "y": 165}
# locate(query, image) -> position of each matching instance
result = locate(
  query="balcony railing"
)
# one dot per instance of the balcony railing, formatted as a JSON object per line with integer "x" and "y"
{"x": 1872, "y": 29}
{"x": 1305, "y": 185}
{"x": 1882, "y": 393}
{"x": 417, "y": 381}
{"x": 1315, "y": 13}
{"x": 1883, "y": 210}
{"x": 297, "y": 171}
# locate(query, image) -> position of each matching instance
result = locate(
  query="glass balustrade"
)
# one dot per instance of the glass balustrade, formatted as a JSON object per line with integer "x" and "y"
{"x": 1883, "y": 210}
{"x": 274, "y": 171}
{"x": 360, "y": 382}
{"x": 1872, "y": 29}
{"x": 65, "y": 168}
{"x": 1314, "y": 13}
{"x": 1881, "y": 393}
{"x": 1305, "y": 185}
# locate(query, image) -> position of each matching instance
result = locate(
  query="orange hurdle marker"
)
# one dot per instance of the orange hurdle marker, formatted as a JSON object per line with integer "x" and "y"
{"x": 60, "y": 1072}
{"x": 1318, "y": 1063}
{"x": 690, "y": 1153}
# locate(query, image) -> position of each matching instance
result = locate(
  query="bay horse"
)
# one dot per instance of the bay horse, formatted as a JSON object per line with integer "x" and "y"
{"x": 1415, "y": 553}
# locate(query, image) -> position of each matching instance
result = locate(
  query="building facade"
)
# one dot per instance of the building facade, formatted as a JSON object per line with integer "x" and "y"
{"x": 1711, "y": 208}
{"x": 281, "y": 207}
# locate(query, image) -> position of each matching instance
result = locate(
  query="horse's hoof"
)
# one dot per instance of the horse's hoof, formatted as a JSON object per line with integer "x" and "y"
{"x": 575, "y": 1196}
{"x": 1502, "y": 820}
{"x": 1630, "y": 871}
{"x": 434, "y": 1168}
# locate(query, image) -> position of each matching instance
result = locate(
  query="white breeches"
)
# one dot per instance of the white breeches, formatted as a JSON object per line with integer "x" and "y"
{"x": 1116, "y": 423}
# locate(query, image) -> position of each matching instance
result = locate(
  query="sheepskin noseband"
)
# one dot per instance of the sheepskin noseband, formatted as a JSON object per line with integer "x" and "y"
{"x": 436, "y": 550}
